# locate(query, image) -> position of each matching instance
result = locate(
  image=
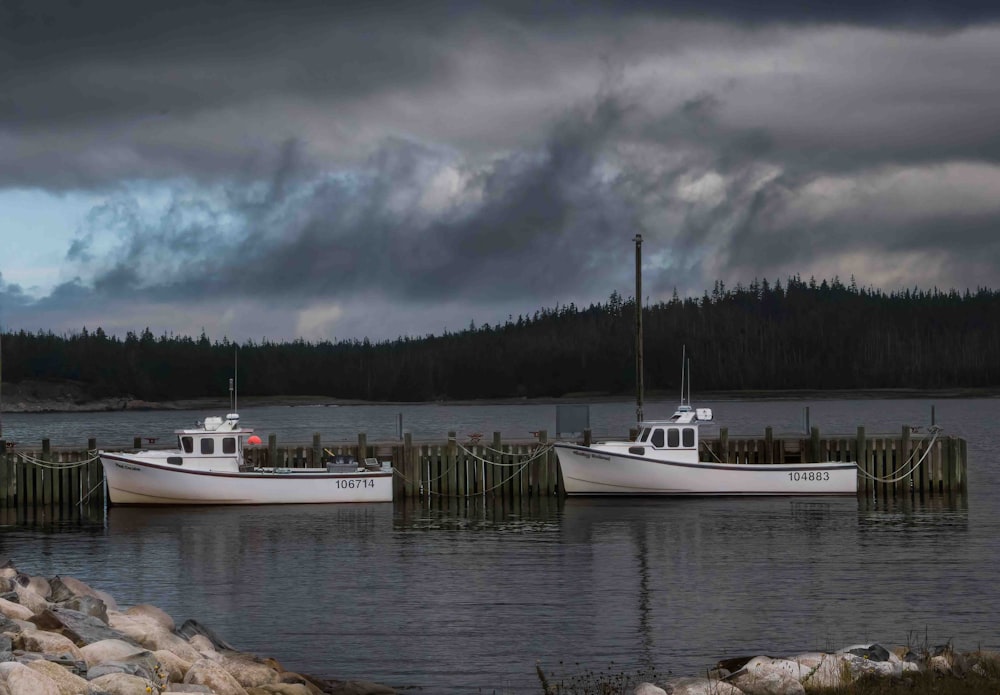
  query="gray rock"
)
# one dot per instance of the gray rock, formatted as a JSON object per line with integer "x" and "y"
{"x": 190, "y": 628}
{"x": 873, "y": 652}
{"x": 8, "y": 625}
{"x": 142, "y": 664}
{"x": 88, "y": 605}
{"x": 79, "y": 628}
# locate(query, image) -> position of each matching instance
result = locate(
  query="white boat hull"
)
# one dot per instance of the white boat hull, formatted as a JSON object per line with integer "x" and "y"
{"x": 132, "y": 481}
{"x": 591, "y": 471}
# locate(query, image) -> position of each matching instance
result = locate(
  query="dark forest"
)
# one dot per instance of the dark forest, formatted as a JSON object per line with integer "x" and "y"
{"x": 797, "y": 335}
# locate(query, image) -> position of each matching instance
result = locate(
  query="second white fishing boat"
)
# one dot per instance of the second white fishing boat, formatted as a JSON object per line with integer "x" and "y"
{"x": 664, "y": 460}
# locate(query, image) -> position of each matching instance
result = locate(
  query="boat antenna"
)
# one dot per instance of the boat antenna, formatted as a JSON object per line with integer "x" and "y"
{"x": 232, "y": 384}
{"x": 689, "y": 380}
{"x": 638, "y": 328}
{"x": 683, "y": 371}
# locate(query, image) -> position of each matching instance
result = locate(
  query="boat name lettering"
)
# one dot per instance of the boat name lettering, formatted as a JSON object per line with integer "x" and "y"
{"x": 127, "y": 467}
{"x": 355, "y": 483}
{"x": 808, "y": 476}
{"x": 597, "y": 456}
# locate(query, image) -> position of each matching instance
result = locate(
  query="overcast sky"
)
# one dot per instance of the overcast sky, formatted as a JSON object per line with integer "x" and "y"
{"x": 336, "y": 170}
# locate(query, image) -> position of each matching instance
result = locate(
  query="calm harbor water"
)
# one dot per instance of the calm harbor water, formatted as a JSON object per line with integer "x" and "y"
{"x": 467, "y": 596}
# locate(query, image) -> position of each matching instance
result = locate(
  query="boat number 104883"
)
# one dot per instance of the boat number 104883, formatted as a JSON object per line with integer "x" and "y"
{"x": 353, "y": 483}
{"x": 809, "y": 476}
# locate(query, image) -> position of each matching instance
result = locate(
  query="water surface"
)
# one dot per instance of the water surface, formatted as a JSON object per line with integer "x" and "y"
{"x": 466, "y": 596}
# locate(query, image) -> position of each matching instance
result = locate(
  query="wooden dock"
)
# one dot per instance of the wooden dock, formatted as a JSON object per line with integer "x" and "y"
{"x": 37, "y": 480}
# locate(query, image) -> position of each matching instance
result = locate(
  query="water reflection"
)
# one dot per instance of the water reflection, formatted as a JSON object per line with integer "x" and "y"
{"x": 465, "y": 595}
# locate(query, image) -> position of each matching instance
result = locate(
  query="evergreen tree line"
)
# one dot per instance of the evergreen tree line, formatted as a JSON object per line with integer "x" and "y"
{"x": 803, "y": 335}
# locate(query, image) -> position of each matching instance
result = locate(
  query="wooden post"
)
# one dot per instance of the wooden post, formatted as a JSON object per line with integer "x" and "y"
{"x": 317, "y": 450}
{"x": 587, "y": 437}
{"x": 272, "y": 450}
{"x": 768, "y": 444}
{"x": 362, "y": 447}
{"x": 424, "y": 484}
{"x": 906, "y": 483}
{"x": 475, "y": 469}
{"x": 461, "y": 473}
{"x": 493, "y": 473}
{"x": 402, "y": 482}
{"x": 542, "y": 465}
{"x": 44, "y": 476}
{"x": 863, "y": 461}
{"x": 724, "y": 444}
{"x": 137, "y": 442}
{"x": 963, "y": 461}
{"x": 814, "y": 451}
{"x": 450, "y": 462}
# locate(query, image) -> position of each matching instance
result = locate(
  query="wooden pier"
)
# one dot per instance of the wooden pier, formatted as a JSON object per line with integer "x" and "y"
{"x": 69, "y": 480}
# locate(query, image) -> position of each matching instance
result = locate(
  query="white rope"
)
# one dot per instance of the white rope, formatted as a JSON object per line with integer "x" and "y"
{"x": 536, "y": 453}
{"x": 59, "y": 465}
{"x": 489, "y": 489}
{"x": 896, "y": 476}
{"x": 90, "y": 492}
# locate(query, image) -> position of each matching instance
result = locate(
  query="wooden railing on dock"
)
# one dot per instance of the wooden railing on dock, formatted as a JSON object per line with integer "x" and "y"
{"x": 72, "y": 479}
{"x": 65, "y": 483}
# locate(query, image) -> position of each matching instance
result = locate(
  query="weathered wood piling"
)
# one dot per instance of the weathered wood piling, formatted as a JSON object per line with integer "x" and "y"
{"x": 64, "y": 481}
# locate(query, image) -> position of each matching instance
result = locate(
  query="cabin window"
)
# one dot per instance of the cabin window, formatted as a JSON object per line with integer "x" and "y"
{"x": 229, "y": 445}
{"x": 207, "y": 445}
{"x": 657, "y": 438}
{"x": 673, "y": 438}
{"x": 644, "y": 435}
{"x": 689, "y": 437}
{"x": 187, "y": 443}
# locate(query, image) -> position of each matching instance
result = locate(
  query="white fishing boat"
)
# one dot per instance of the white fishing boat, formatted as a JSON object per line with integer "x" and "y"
{"x": 665, "y": 460}
{"x": 208, "y": 467}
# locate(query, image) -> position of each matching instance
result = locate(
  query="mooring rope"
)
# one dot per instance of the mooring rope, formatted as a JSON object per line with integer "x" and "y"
{"x": 90, "y": 492}
{"x": 896, "y": 476}
{"x": 59, "y": 465}
{"x": 536, "y": 453}
{"x": 475, "y": 494}
{"x": 709, "y": 449}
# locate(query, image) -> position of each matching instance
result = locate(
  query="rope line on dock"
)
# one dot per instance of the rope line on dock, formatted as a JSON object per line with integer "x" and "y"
{"x": 59, "y": 465}
{"x": 709, "y": 450}
{"x": 896, "y": 476}
{"x": 482, "y": 492}
{"x": 90, "y": 492}
{"x": 536, "y": 453}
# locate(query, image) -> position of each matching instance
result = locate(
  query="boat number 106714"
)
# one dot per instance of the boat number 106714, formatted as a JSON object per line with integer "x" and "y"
{"x": 810, "y": 476}
{"x": 354, "y": 483}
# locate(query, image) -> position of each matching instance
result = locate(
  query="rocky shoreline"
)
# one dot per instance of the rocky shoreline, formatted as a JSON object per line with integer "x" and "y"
{"x": 59, "y": 636}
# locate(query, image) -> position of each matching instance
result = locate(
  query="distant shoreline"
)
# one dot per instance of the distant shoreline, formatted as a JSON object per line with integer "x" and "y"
{"x": 43, "y": 397}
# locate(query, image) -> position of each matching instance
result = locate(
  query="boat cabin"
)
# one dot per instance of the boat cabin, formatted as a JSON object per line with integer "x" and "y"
{"x": 679, "y": 432}
{"x": 216, "y": 437}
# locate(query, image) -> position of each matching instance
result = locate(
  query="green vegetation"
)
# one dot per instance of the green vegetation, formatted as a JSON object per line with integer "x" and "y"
{"x": 803, "y": 335}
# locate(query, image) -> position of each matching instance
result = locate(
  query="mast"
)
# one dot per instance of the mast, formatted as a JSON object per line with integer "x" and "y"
{"x": 638, "y": 328}
{"x": 233, "y": 388}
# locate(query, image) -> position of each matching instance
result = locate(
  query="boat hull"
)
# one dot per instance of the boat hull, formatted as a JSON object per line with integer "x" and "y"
{"x": 591, "y": 471}
{"x": 137, "y": 482}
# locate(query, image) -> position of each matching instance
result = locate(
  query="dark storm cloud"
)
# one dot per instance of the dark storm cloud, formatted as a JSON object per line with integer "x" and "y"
{"x": 436, "y": 152}
{"x": 338, "y": 235}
